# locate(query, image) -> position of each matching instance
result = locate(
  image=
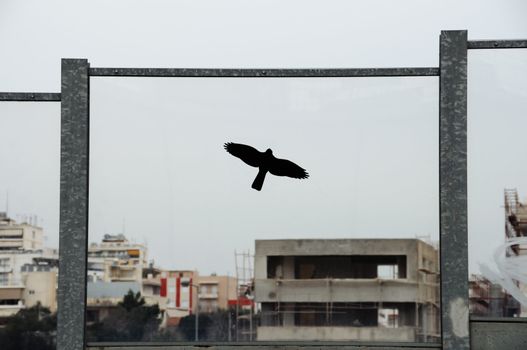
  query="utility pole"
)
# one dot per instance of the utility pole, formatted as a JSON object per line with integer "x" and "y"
{"x": 229, "y": 310}
{"x": 196, "y": 325}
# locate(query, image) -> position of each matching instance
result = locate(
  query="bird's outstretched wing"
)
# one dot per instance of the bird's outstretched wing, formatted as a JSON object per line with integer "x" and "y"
{"x": 249, "y": 155}
{"x": 284, "y": 167}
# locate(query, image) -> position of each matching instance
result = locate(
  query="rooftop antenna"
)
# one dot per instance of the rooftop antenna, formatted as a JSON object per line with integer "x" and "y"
{"x": 124, "y": 226}
{"x": 7, "y": 203}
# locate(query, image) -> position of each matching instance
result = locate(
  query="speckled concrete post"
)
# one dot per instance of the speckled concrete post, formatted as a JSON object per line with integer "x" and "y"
{"x": 73, "y": 244}
{"x": 453, "y": 190}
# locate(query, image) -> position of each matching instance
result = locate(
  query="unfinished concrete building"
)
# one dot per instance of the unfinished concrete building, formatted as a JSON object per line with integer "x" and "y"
{"x": 347, "y": 289}
{"x": 489, "y": 299}
{"x": 516, "y": 227}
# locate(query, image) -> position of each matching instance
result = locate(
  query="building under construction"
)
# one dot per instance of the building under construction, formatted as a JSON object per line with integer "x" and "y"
{"x": 489, "y": 299}
{"x": 244, "y": 326}
{"x": 347, "y": 289}
{"x": 516, "y": 226}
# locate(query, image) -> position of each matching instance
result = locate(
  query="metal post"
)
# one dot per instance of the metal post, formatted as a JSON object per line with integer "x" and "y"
{"x": 229, "y": 336}
{"x": 453, "y": 190}
{"x": 196, "y": 337}
{"x": 73, "y": 244}
{"x": 251, "y": 322}
{"x": 197, "y": 325}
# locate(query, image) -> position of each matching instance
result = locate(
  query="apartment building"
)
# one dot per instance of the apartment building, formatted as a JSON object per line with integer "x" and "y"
{"x": 347, "y": 289}
{"x": 216, "y": 293}
{"x": 28, "y": 271}
{"x": 19, "y": 236}
{"x": 116, "y": 259}
{"x": 115, "y": 266}
{"x": 180, "y": 288}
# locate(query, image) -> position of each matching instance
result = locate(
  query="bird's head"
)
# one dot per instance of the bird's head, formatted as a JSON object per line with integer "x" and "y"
{"x": 269, "y": 151}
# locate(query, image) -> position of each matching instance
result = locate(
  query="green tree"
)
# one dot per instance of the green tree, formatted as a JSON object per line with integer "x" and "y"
{"x": 132, "y": 301}
{"x": 132, "y": 320}
{"x": 187, "y": 326}
{"x": 212, "y": 326}
{"x": 31, "y": 328}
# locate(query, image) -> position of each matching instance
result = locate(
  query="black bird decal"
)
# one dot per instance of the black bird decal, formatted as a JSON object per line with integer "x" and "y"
{"x": 266, "y": 162}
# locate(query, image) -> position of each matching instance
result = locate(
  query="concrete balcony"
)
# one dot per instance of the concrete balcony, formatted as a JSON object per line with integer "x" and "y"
{"x": 12, "y": 290}
{"x": 208, "y": 295}
{"x": 151, "y": 282}
{"x": 10, "y": 310}
{"x": 344, "y": 290}
{"x": 123, "y": 279}
{"x": 5, "y": 269}
{"x": 400, "y": 334}
{"x": 4, "y": 236}
{"x": 16, "y": 232}
{"x": 11, "y": 243}
{"x": 156, "y": 299}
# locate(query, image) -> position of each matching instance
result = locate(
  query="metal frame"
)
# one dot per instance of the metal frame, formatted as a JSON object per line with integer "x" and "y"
{"x": 497, "y": 44}
{"x": 29, "y": 96}
{"x": 453, "y": 190}
{"x": 264, "y": 73}
{"x": 452, "y": 71}
{"x": 74, "y": 168}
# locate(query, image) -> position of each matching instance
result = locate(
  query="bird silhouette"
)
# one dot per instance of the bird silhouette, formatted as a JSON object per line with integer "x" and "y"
{"x": 266, "y": 162}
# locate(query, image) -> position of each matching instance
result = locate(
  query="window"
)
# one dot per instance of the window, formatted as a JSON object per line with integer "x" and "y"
{"x": 497, "y": 87}
{"x": 4, "y": 278}
{"x": 370, "y": 147}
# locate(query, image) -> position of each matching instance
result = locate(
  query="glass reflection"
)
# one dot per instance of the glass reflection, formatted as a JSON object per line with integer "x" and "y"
{"x": 182, "y": 217}
{"x": 29, "y": 224}
{"x": 497, "y": 91}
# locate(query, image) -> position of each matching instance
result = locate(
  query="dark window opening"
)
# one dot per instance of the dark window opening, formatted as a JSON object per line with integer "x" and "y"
{"x": 355, "y": 266}
{"x": 336, "y": 314}
{"x": 275, "y": 267}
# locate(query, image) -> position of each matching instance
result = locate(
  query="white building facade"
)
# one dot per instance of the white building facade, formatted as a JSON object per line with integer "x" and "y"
{"x": 28, "y": 271}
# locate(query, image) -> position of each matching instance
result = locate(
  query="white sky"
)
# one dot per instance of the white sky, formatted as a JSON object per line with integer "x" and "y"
{"x": 184, "y": 199}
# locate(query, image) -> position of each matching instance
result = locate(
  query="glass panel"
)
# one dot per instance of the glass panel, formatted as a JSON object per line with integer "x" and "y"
{"x": 497, "y": 182}
{"x": 29, "y": 223}
{"x": 349, "y": 253}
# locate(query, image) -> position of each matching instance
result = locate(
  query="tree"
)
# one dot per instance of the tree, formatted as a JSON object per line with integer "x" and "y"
{"x": 212, "y": 327}
{"x": 132, "y": 320}
{"x": 31, "y": 328}
{"x": 132, "y": 301}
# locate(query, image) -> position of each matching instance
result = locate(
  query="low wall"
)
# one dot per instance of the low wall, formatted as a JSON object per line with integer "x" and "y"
{"x": 403, "y": 334}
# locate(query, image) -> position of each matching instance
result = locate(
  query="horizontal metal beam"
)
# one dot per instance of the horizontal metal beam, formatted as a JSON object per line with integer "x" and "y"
{"x": 482, "y": 319}
{"x": 263, "y": 73}
{"x": 496, "y": 44}
{"x": 30, "y": 96}
{"x": 263, "y": 345}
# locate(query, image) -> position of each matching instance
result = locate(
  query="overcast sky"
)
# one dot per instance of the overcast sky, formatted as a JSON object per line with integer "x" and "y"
{"x": 157, "y": 163}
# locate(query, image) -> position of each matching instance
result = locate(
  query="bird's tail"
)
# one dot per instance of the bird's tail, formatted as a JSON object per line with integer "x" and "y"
{"x": 259, "y": 180}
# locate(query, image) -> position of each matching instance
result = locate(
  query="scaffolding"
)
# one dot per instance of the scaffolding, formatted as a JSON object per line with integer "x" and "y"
{"x": 515, "y": 226}
{"x": 512, "y": 203}
{"x": 244, "y": 322}
{"x": 489, "y": 299}
{"x": 515, "y": 219}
